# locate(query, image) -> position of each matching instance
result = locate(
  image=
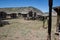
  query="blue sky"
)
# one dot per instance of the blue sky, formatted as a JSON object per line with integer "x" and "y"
{"x": 40, "y": 4}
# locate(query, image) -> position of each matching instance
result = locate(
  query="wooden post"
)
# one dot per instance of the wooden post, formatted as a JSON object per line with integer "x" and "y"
{"x": 50, "y": 19}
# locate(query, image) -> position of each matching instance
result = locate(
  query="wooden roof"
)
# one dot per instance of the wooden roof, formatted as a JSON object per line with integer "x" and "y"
{"x": 57, "y": 9}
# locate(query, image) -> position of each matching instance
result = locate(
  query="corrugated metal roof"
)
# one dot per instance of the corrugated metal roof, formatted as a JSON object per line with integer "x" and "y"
{"x": 53, "y": 14}
{"x": 56, "y": 7}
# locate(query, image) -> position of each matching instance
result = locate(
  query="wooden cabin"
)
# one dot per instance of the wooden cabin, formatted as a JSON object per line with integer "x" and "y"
{"x": 34, "y": 15}
{"x": 30, "y": 15}
{"x": 13, "y": 15}
{"x": 19, "y": 14}
{"x": 3, "y": 15}
{"x": 57, "y": 34}
{"x": 57, "y": 9}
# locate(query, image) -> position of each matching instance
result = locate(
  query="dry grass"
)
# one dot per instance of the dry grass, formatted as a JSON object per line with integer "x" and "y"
{"x": 20, "y": 29}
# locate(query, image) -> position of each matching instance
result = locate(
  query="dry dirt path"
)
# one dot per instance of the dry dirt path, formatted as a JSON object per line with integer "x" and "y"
{"x": 20, "y": 29}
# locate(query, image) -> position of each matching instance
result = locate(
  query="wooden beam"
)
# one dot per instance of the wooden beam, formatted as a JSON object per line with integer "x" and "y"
{"x": 50, "y": 19}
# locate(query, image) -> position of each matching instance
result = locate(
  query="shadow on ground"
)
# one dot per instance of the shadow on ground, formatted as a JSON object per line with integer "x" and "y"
{"x": 4, "y": 22}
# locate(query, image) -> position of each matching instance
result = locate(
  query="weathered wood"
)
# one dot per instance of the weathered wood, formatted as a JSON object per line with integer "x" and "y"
{"x": 57, "y": 9}
{"x": 19, "y": 14}
{"x": 30, "y": 15}
{"x": 13, "y": 15}
{"x": 34, "y": 15}
{"x": 50, "y": 19}
{"x": 3, "y": 15}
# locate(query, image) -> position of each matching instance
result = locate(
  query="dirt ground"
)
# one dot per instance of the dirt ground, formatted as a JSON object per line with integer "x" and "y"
{"x": 20, "y": 29}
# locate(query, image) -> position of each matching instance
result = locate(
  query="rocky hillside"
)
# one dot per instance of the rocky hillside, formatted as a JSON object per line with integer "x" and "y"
{"x": 21, "y": 9}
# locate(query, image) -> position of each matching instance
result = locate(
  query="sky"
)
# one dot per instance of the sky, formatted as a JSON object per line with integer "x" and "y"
{"x": 40, "y": 4}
